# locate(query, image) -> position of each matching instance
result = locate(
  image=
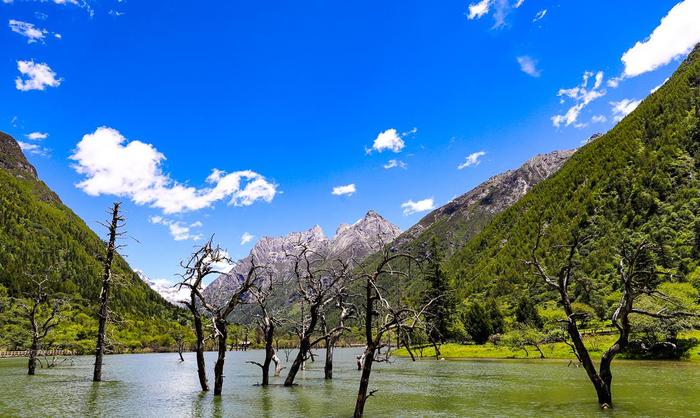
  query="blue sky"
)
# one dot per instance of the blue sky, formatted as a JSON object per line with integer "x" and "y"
{"x": 293, "y": 99}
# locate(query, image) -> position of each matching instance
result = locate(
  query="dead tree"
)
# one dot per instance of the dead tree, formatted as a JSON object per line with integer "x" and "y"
{"x": 43, "y": 313}
{"x": 220, "y": 314}
{"x": 332, "y": 335}
{"x": 318, "y": 282}
{"x": 114, "y": 229}
{"x": 267, "y": 322}
{"x": 637, "y": 278}
{"x": 380, "y": 319}
{"x": 180, "y": 345}
{"x": 202, "y": 263}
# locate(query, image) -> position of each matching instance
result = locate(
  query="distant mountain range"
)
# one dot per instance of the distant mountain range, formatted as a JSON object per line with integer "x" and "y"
{"x": 358, "y": 240}
{"x": 165, "y": 288}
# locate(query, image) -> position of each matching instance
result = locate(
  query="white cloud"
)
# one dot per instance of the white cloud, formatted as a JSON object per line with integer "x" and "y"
{"x": 539, "y": 15}
{"x": 246, "y": 238}
{"x": 582, "y": 96}
{"x": 410, "y": 207}
{"x": 614, "y": 82}
{"x": 623, "y": 108}
{"x": 528, "y": 66}
{"x": 388, "y": 140}
{"x": 599, "y": 119}
{"x": 33, "y": 149}
{"x": 178, "y": 230}
{"x": 28, "y": 30}
{"x": 114, "y": 166}
{"x": 37, "y": 76}
{"x": 37, "y": 136}
{"x": 498, "y": 8}
{"x": 58, "y": 36}
{"x": 472, "y": 160}
{"x": 659, "y": 86}
{"x": 676, "y": 35}
{"x": 477, "y": 10}
{"x": 394, "y": 163}
{"x": 346, "y": 190}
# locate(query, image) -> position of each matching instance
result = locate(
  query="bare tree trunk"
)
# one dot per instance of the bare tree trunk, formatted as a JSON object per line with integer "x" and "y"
{"x": 199, "y": 344}
{"x": 278, "y": 364}
{"x": 269, "y": 353}
{"x": 104, "y": 294}
{"x": 304, "y": 348}
{"x": 437, "y": 349}
{"x": 328, "y": 367}
{"x": 364, "y": 381}
{"x": 33, "y": 352}
{"x": 221, "y": 336}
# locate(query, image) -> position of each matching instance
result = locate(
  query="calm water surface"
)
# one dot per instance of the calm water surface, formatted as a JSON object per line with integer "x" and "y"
{"x": 159, "y": 385}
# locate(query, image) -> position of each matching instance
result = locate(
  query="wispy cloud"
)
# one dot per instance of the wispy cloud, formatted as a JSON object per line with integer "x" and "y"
{"x": 37, "y": 136}
{"x": 659, "y": 86}
{"x": 114, "y": 166}
{"x": 394, "y": 164}
{"x": 180, "y": 231}
{"x": 35, "y": 76}
{"x": 346, "y": 190}
{"x": 479, "y": 9}
{"x": 499, "y": 10}
{"x": 582, "y": 96}
{"x": 623, "y": 108}
{"x": 410, "y": 207}
{"x": 540, "y": 15}
{"x": 33, "y": 149}
{"x": 472, "y": 159}
{"x": 246, "y": 238}
{"x": 28, "y": 30}
{"x": 528, "y": 65}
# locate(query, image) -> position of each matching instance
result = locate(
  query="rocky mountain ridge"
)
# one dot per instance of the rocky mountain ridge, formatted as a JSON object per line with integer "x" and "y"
{"x": 357, "y": 240}
{"x": 463, "y": 217}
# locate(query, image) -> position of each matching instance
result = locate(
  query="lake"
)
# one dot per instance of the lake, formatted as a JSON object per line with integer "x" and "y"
{"x": 159, "y": 385}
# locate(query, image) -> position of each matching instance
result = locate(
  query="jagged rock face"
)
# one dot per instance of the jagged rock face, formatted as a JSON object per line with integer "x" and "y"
{"x": 12, "y": 159}
{"x": 463, "y": 217}
{"x": 358, "y": 240}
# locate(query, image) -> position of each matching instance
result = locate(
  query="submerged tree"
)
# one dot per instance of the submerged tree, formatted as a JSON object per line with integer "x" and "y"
{"x": 267, "y": 322}
{"x": 381, "y": 318}
{"x": 638, "y": 279}
{"x": 332, "y": 335}
{"x": 114, "y": 230}
{"x": 203, "y": 262}
{"x": 43, "y": 312}
{"x": 318, "y": 281}
{"x": 220, "y": 315}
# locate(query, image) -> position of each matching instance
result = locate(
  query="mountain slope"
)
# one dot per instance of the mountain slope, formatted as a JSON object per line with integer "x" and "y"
{"x": 37, "y": 230}
{"x": 357, "y": 240}
{"x": 465, "y": 216}
{"x": 639, "y": 180}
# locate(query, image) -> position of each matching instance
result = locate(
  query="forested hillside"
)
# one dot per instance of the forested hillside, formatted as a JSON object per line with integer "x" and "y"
{"x": 40, "y": 236}
{"x": 638, "y": 182}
